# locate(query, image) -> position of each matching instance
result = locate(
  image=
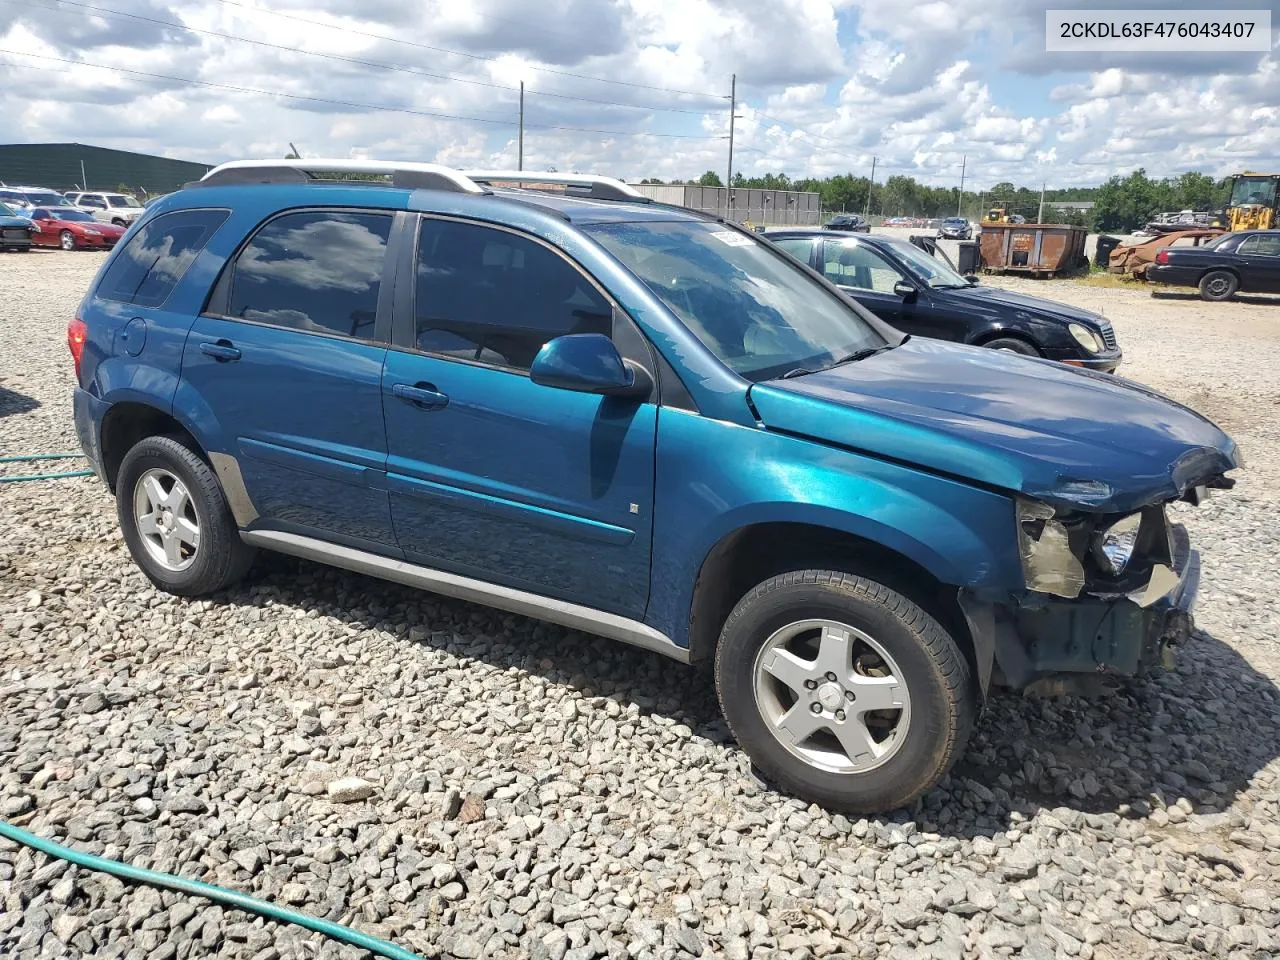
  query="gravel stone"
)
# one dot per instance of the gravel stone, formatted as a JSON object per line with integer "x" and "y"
{"x": 528, "y": 791}
{"x": 350, "y": 790}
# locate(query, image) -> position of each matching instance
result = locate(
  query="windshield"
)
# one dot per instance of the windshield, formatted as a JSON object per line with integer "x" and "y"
{"x": 955, "y": 221}
{"x": 118, "y": 200}
{"x": 6, "y": 210}
{"x": 71, "y": 215}
{"x": 43, "y": 198}
{"x": 759, "y": 312}
{"x": 931, "y": 270}
{"x": 1254, "y": 190}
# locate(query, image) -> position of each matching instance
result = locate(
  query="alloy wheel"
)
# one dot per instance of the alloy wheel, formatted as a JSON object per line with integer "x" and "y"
{"x": 832, "y": 696}
{"x": 166, "y": 518}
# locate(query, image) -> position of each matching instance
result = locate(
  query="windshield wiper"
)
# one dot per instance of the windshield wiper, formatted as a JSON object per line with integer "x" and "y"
{"x": 859, "y": 355}
{"x": 796, "y": 372}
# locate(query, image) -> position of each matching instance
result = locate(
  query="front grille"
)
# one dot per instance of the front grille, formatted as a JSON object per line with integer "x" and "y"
{"x": 1108, "y": 334}
{"x": 16, "y": 233}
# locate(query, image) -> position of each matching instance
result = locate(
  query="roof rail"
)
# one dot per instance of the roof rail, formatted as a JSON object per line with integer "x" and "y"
{"x": 410, "y": 175}
{"x": 587, "y": 185}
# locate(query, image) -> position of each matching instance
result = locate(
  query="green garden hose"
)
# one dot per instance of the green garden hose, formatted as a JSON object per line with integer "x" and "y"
{"x": 27, "y": 458}
{"x": 217, "y": 894}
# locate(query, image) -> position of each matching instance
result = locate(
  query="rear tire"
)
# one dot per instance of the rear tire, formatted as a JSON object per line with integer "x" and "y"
{"x": 896, "y": 716}
{"x": 1218, "y": 285}
{"x": 1013, "y": 345}
{"x": 176, "y": 521}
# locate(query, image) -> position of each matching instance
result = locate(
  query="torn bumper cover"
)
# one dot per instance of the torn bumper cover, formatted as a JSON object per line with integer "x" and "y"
{"x": 1122, "y": 634}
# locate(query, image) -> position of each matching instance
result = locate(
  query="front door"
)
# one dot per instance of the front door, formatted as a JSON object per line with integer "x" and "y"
{"x": 868, "y": 277}
{"x": 288, "y": 359}
{"x": 491, "y": 475}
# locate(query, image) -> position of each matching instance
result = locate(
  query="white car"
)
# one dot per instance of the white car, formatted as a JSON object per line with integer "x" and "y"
{"x": 117, "y": 208}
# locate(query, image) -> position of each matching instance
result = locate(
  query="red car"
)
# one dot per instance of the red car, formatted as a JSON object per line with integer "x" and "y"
{"x": 72, "y": 229}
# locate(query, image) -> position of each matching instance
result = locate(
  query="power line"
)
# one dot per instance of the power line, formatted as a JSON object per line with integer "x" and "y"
{"x": 376, "y": 64}
{"x": 471, "y": 56}
{"x": 342, "y": 103}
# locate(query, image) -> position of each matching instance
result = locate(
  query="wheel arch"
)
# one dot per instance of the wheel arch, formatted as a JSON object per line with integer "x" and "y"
{"x": 751, "y": 554}
{"x": 987, "y": 336}
{"x": 128, "y": 421}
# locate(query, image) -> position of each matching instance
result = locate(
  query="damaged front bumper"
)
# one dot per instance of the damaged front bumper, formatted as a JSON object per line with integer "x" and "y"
{"x": 1051, "y": 642}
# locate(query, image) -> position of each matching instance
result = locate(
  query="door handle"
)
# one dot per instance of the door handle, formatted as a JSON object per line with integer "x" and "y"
{"x": 424, "y": 395}
{"x": 223, "y": 351}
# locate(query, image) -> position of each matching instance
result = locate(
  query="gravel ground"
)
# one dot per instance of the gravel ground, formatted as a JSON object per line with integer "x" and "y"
{"x": 473, "y": 784}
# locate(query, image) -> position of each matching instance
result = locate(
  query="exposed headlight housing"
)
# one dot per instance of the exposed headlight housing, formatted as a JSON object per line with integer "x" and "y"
{"x": 1048, "y": 565}
{"x": 1113, "y": 546}
{"x": 1086, "y": 338}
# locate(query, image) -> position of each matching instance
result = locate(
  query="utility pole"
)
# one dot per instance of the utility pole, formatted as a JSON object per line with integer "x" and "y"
{"x": 1040, "y": 215}
{"x": 84, "y": 180}
{"x": 960, "y": 200}
{"x": 981, "y": 196}
{"x": 520, "y": 155}
{"x": 733, "y": 109}
{"x": 866, "y": 213}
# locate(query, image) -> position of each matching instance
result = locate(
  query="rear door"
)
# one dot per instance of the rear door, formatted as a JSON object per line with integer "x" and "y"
{"x": 802, "y": 248}
{"x": 287, "y": 361}
{"x": 491, "y": 475}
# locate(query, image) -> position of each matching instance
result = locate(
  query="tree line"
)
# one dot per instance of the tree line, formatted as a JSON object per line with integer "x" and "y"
{"x": 1120, "y": 204}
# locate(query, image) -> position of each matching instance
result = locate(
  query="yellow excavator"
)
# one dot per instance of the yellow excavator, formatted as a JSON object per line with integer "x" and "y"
{"x": 1255, "y": 201}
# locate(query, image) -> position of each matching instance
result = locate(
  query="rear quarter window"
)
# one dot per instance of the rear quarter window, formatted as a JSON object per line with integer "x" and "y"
{"x": 157, "y": 256}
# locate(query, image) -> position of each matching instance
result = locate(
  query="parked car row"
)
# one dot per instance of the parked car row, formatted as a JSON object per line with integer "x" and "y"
{"x": 106, "y": 206}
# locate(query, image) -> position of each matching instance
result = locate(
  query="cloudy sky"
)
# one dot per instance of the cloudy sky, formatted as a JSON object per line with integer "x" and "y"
{"x": 635, "y": 88}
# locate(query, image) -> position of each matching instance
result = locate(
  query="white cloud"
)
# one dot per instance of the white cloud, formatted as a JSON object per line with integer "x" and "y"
{"x": 824, "y": 86}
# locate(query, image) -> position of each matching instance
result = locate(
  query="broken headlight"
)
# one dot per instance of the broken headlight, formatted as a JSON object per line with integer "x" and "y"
{"x": 1048, "y": 564}
{"x": 1113, "y": 546}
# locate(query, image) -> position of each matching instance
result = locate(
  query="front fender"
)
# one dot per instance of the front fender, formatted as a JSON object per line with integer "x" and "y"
{"x": 963, "y": 535}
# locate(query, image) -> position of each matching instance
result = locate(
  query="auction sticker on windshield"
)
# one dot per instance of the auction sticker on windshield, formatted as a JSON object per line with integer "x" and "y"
{"x": 1163, "y": 31}
{"x": 731, "y": 238}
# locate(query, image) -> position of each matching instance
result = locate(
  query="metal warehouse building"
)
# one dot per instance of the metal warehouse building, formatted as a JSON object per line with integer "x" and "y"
{"x": 67, "y": 166}
{"x": 772, "y": 207}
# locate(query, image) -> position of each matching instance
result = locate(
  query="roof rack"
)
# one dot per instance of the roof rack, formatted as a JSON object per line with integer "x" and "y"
{"x": 587, "y": 185}
{"x": 410, "y": 175}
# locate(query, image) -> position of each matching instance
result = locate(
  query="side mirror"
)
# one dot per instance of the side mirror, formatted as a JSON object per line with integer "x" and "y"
{"x": 588, "y": 363}
{"x": 905, "y": 290}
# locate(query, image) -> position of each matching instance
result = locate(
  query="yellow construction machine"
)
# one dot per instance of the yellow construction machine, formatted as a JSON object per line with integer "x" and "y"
{"x": 996, "y": 215}
{"x": 1255, "y": 201}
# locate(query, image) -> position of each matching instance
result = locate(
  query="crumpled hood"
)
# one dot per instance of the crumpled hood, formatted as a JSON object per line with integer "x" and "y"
{"x": 1069, "y": 437}
{"x": 1035, "y": 305}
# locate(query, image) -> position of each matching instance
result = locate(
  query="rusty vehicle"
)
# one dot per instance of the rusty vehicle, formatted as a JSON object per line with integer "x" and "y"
{"x": 1134, "y": 260}
{"x": 1040, "y": 249}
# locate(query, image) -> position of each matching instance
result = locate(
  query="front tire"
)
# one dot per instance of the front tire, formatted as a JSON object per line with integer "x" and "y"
{"x": 1218, "y": 285}
{"x": 176, "y": 520}
{"x": 1013, "y": 345}
{"x": 67, "y": 240}
{"x": 842, "y": 691}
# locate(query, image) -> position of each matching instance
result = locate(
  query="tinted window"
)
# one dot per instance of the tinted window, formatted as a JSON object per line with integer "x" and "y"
{"x": 851, "y": 264}
{"x": 118, "y": 200}
{"x": 318, "y": 271}
{"x": 88, "y": 201}
{"x": 798, "y": 247}
{"x": 40, "y": 215}
{"x": 497, "y": 297}
{"x": 1261, "y": 245}
{"x": 155, "y": 259}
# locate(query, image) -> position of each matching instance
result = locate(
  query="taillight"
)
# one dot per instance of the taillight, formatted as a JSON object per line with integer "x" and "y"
{"x": 1162, "y": 257}
{"x": 76, "y": 331}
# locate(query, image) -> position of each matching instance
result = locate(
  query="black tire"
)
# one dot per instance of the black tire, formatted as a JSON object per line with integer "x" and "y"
{"x": 221, "y": 557}
{"x": 1218, "y": 285}
{"x": 1013, "y": 345}
{"x": 942, "y": 697}
{"x": 119, "y": 222}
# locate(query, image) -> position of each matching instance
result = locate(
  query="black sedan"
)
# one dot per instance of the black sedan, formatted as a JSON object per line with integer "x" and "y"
{"x": 848, "y": 223}
{"x": 955, "y": 228}
{"x": 1247, "y": 262}
{"x": 921, "y": 295}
